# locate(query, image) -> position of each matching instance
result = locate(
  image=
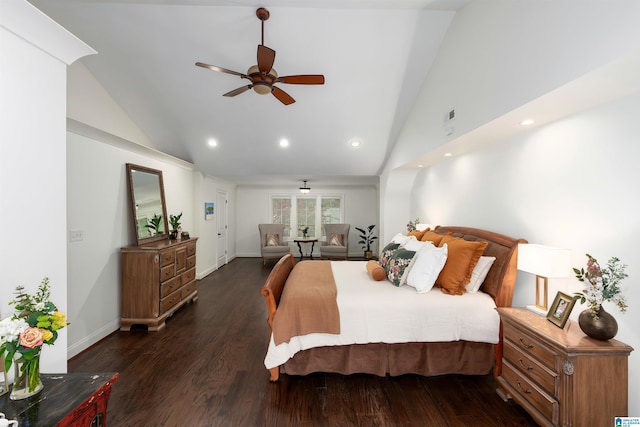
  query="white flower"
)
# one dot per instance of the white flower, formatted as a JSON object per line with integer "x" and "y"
{"x": 11, "y": 328}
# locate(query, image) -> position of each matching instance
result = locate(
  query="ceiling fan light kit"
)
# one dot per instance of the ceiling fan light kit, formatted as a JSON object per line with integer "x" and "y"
{"x": 262, "y": 76}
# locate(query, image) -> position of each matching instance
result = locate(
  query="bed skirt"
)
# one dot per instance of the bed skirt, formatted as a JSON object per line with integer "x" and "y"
{"x": 428, "y": 359}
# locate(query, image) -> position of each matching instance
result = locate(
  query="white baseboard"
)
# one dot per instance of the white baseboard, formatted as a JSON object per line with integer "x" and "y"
{"x": 88, "y": 341}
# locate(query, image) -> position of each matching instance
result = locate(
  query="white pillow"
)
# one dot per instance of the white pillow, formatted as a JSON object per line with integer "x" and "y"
{"x": 427, "y": 264}
{"x": 414, "y": 244}
{"x": 479, "y": 273}
{"x": 401, "y": 239}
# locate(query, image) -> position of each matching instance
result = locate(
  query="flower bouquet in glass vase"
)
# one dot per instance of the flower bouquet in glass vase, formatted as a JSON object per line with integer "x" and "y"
{"x": 36, "y": 321}
{"x": 603, "y": 284}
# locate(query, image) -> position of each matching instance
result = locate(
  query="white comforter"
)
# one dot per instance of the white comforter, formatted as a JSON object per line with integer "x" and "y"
{"x": 374, "y": 312}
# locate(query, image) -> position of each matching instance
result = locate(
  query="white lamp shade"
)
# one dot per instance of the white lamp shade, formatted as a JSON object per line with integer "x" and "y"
{"x": 545, "y": 261}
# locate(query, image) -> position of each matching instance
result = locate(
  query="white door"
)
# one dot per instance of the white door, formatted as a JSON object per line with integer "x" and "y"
{"x": 221, "y": 216}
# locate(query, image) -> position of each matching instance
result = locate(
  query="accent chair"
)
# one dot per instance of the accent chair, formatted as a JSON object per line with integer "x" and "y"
{"x": 272, "y": 244}
{"x": 337, "y": 242}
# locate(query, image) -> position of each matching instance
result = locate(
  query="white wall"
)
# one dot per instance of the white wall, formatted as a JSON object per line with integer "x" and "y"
{"x": 35, "y": 55}
{"x": 98, "y": 205}
{"x": 252, "y": 208}
{"x": 570, "y": 184}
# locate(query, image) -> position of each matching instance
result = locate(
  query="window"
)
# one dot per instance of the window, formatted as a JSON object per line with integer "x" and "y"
{"x": 331, "y": 211}
{"x": 310, "y": 211}
{"x": 306, "y": 215}
{"x": 281, "y": 213}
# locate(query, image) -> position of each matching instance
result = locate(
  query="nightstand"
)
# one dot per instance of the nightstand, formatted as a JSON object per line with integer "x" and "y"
{"x": 561, "y": 377}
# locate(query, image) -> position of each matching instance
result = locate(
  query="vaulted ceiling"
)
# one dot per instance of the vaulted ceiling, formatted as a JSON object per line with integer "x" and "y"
{"x": 374, "y": 55}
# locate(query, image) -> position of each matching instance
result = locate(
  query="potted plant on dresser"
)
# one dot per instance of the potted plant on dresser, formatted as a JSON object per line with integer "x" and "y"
{"x": 174, "y": 220}
{"x": 366, "y": 240}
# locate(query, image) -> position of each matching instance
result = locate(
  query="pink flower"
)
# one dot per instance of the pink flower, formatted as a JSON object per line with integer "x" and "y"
{"x": 30, "y": 338}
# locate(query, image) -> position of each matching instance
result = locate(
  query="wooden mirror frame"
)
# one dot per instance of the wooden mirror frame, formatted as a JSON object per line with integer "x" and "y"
{"x": 140, "y": 240}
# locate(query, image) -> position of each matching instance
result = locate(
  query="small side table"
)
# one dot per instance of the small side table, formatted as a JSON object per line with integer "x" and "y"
{"x": 299, "y": 241}
{"x": 77, "y": 399}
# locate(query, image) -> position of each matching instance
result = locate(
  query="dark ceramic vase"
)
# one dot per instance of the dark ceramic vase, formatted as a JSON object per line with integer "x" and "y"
{"x": 603, "y": 328}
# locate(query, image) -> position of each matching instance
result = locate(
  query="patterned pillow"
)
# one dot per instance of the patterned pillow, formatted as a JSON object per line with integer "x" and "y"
{"x": 336, "y": 239}
{"x": 386, "y": 253}
{"x": 399, "y": 266}
{"x": 273, "y": 240}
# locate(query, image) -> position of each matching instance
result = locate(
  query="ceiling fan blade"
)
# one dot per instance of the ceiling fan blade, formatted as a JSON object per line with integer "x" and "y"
{"x": 238, "y": 91}
{"x": 307, "y": 79}
{"x": 282, "y": 96}
{"x": 220, "y": 69}
{"x": 266, "y": 58}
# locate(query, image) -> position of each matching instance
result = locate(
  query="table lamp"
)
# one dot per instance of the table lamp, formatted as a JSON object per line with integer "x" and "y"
{"x": 545, "y": 262}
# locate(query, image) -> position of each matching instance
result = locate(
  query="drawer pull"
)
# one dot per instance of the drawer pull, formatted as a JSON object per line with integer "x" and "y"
{"x": 524, "y": 344}
{"x": 522, "y": 389}
{"x": 528, "y": 368}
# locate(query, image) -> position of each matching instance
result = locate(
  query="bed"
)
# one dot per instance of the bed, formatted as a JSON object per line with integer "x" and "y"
{"x": 383, "y": 351}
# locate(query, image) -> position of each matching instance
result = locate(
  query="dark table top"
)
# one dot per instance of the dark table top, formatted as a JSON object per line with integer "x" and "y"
{"x": 62, "y": 393}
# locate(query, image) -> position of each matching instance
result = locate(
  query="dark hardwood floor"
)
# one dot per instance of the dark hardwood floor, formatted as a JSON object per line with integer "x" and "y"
{"x": 205, "y": 368}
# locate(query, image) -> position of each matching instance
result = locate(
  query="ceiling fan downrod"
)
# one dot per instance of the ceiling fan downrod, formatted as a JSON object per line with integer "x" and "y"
{"x": 263, "y": 15}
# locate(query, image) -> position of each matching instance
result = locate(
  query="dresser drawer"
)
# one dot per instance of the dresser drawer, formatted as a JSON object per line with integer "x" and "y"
{"x": 167, "y": 272}
{"x": 531, "y": 368}
{"x": 191, "y": 250}
{"x": 530, "y": 346}
{"x": 170, "y": 286}
{"x": 189, "y": 276}
{"x": 541, "y": 401}
{"x": 167, "y": 303}
{"x": 167, "y": 258}
{"x": 191, "y": 262}
{"x": 188, "y": 289}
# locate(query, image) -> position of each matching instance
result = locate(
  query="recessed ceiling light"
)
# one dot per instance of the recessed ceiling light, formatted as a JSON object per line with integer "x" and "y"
{"x": 212, "y": 142}
{"x": 420, "y": 165}
{"x": 527, "y": 122}
{"x": 284, "y": 142}
{"x": 448, "y": 154}
{"x": 355, "y": 143}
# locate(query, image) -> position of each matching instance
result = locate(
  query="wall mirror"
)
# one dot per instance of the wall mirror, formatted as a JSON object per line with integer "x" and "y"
{"x": 146, "y": 189}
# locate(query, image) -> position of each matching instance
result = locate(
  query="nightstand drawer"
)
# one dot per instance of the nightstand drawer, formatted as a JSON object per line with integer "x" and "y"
{"x": 530, "y": 368}
{"x": 531, "y": 346}
{"x": 542, "y": 402}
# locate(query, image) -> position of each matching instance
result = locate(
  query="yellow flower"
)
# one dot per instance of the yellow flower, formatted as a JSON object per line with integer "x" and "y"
{"x": 46, "y": 335}
{"x": 58, "y": 320}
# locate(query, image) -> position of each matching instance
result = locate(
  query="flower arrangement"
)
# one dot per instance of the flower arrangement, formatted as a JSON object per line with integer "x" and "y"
{"x": 36, "y": 322}
{"x": 603, "y": 284}
{"x": 304, "y": 230}
{"x": 412, "y": 225}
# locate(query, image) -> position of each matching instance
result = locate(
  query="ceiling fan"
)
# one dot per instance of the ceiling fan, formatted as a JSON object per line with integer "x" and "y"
{"x": 262, "y": 76}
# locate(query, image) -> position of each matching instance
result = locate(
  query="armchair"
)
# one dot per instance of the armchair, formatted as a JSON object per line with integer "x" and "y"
{"x": 276, "y": 247}
{"x": 331, "y": 247}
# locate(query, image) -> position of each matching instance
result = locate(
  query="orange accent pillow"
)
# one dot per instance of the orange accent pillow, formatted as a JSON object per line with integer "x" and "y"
{"x": 462, "y": 258}
{"x": 376, "y": 271}
{"x": 416, "y": 233}
{"x": 432, "y": 236}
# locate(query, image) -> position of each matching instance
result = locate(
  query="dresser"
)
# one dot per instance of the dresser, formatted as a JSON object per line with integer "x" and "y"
{"x": 561, "y": 377}
{"x": 157, "y": 279}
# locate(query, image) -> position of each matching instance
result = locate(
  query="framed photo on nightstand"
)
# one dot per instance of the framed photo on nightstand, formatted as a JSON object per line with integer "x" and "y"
{"x": 560, "y": 309}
